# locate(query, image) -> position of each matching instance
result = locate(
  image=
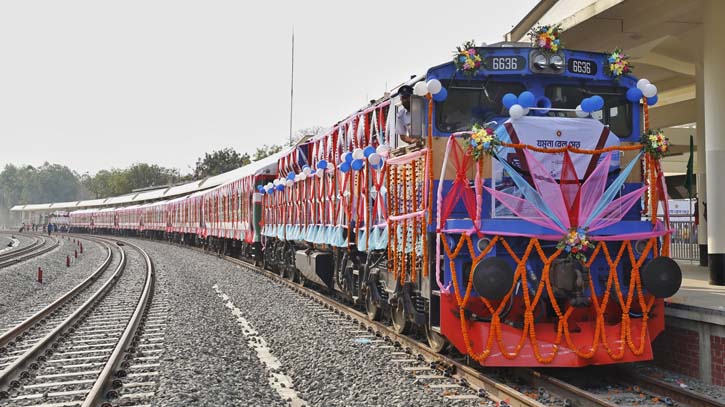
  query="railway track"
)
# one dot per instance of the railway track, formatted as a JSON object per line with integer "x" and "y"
{"x": 525, "y": 387}
{"x": 86, "y": 347}
{"x": 39, "y": 246}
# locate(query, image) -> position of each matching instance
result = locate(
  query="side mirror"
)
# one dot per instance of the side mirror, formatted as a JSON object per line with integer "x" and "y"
{"x": 418, "y": 112}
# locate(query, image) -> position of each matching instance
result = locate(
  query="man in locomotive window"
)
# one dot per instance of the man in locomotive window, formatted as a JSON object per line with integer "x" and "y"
{"x": 402, "y": 117}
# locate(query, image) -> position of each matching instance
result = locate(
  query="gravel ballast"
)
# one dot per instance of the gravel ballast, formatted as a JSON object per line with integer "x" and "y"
{"x": 208, "y": 362}
{"x": 20, "y": 293}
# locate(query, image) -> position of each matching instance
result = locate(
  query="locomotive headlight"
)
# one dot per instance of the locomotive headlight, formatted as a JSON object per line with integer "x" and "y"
{"x": 640, "y": 245}
{"x": 540, "y": 61}
{"x": 483, "y": 243}
{"x": 557, "y": 62}
{"x": 661, "y": 277}
{"x": 493, "y": 278}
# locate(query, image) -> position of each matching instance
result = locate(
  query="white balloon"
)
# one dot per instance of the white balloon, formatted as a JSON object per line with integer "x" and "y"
{"x": 420, "y": 89}
{"x": 649, "y": 90}
{"x": 297, "y": 177}
{"x": 307, "y": 170}
{"x": 374, "y": 158}
{"x": 382, "y": 149}
{"x": 303, "y": 176}
{"x": 276, "y": 182}
{"x": 358, "y": 154}
{"x": 320, "y": 172}
{"x": 516, "y": 111}
{"x": 580, "y": 112}
{"x": 270, "y": 185}
{"x": 434, "y": 86}
{"x": 642, "y": 83}
{"x": 289, "y": 183}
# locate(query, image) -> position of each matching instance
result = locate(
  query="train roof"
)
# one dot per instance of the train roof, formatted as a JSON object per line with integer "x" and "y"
{"x": 184, "y": 188}
{"x": 150, "y": 195}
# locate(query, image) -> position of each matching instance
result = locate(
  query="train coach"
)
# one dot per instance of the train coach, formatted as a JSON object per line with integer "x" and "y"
{"x": 503, "y": 203}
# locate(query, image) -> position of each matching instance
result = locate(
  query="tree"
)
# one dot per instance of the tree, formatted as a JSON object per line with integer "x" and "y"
{"x": 47, "y": 183}
{"x": 141, "y": 175}
{"x": 219, "y": 162}
{"x": 114, "y": 182}
{"x": 266, "y": 151}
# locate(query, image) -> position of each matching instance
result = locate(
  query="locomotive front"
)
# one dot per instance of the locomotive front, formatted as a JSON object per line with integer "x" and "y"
{"x": 545, "y": 209}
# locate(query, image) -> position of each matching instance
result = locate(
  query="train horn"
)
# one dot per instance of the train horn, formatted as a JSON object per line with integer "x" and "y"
{"x": 543, "y": 103}
{"x": 493, "y": 278}
{"x": 662, "y": 277}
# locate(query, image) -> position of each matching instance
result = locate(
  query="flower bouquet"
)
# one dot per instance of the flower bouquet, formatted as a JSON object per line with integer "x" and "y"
{"x": 546, "y": 37}
{"x": 483, "y": 141}
{"x": 575, "y": 244}
{"x": 618, "y": 63}
{"x": 655, "y": 143}
{"x": 467, "y": 59}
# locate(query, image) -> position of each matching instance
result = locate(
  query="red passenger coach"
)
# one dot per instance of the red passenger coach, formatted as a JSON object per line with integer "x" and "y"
{"x": 128, "y": 217}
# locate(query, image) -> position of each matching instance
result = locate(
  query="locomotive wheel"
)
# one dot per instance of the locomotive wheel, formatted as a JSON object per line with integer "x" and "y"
{"x": 401, "y": 325}
{"x": 371, "y": 308}
{"x": 436, "y": 341}
{"x": 288, "y": 273}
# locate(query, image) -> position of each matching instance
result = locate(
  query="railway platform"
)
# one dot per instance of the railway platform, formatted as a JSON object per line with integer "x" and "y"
{"x": 694, "y": 341}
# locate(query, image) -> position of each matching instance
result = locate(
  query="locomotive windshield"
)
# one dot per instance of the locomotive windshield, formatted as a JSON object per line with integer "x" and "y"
{"x": 472, "y": 102}
{"x": 617, "y": 112}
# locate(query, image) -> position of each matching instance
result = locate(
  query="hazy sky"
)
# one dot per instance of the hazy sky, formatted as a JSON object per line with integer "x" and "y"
{"x": 99, "y": 84}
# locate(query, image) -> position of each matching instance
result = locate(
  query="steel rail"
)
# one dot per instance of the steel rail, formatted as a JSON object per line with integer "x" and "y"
{"x": 17, "y": 330}
{"x": 661, "y": 388}
{"x": 104, "y": 379}
{"x": 37, "y": 241}
{"x": 30, "y": 254}
{"x": 8, "y": 375}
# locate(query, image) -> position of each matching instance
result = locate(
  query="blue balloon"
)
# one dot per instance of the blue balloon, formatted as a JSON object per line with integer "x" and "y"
{"x": 587, "y": 105}
{"x": 379, "y": 165}
{"x": 347, "y": 157}
{"x": 368, "y": 150}
{"x": 509, "y": 100}
{"x": 634, "y": 95}
{"x": 322, "y": 164}
{"x": 280, "y": 187}
{"x": 357, "y": 165}
{"x": 441, "y": 96}
{"x": 653, "y": 100}
{"x": 345, "y": 167}
{"x": 291, "y": 176}
{"x": 527, "y": 99}
{"x": 260, "y": 188}
{"x": 598, "y": 102}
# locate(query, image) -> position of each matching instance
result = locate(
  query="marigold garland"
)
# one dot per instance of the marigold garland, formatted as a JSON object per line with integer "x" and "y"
{"x": 626, "y": 339}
